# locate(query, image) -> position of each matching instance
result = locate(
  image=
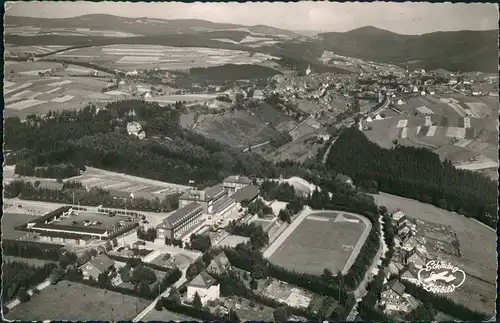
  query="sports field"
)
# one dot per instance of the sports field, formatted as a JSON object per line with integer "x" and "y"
{"x": 477, "y": 244}
{"x": 324, "y": 239}
{"x": 68, "y": 301}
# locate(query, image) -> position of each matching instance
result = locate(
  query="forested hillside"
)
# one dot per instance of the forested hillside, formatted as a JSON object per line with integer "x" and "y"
{"x": 414, "y": 173}
{"x": 452, "y": 50}
{"x": 100, "y": 139}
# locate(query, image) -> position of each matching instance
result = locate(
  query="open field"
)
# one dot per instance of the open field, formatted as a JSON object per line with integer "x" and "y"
{"x": 68, "y": 301}
{"x": 467, "y": 137}
{"x": 322, "y": 240}
{"x": 477, "y": 247}
{"x": 26, "y": 92}
{"x": 129, "y": 57}
{"x": 10, "y": 221}
{"x": 299, "y": 150}
{"x": 238, "y": 129}
{"x": 165, "y": 316}
{"x": 95, "y": 177}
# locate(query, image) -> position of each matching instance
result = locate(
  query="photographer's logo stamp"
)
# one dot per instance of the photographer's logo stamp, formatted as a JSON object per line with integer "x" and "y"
{"x": 441, "y": 278}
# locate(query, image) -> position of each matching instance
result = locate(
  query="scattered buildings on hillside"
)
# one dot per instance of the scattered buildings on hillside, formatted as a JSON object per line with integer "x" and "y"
{"x": 180, "y": 222}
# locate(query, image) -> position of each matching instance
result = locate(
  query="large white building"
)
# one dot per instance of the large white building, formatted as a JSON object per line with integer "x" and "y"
{"x": 206, "y": 286}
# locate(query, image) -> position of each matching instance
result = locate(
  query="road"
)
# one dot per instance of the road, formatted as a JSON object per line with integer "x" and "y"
{"x": 151, "y": 306}
{"x": 360, "y": 291}
{"x": 382, "y": 108}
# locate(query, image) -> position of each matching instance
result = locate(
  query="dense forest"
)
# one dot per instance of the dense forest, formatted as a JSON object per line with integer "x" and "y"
{"x": 99, "y": 138}
{"x": 415, "y": 173}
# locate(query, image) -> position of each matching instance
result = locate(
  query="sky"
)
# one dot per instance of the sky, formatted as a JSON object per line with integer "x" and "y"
{"x": 410, "y": 18}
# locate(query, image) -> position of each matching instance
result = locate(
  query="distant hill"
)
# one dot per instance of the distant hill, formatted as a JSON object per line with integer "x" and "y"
{"x": 452, "y": 50}
{"x": 141, "y": 26}
{"x": 464, "y": 51}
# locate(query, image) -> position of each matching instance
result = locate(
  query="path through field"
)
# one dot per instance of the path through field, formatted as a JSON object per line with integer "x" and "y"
{"x": 16, "y": 301}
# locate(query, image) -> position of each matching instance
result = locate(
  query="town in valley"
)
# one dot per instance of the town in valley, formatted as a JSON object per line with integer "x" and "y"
{"x": 203, "y": 165}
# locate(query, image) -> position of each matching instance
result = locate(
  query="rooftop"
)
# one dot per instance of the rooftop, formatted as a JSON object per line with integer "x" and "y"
{"x": 398, "y": 215}
{"x": 172, "y": 220}
{"x": 101, "y": 263}
{"x": 237, "y": 179}
{"x": 202, "y": 280}
{"x": 247, "y": 193}
{"x": 396, "y": 286}
{"x": 205, "y": 195}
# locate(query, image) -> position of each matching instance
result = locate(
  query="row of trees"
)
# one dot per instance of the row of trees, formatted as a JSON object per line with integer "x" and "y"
{"x": 18, "y": 277}
{"x": 26, "y": 168}
{"x": 43, "y": 251}
{"x": 366, "y": 308}
{"x": 415, "y": 173}
{"x": 72, "y": 194}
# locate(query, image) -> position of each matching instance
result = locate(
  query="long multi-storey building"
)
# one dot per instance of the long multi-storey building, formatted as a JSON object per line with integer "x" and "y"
{"x": 180, "y": 222}
{"x": 208, "y": 198}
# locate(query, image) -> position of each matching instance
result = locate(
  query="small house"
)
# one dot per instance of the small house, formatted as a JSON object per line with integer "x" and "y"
{"x": 416, "y": 258}
{"x": 410, "y": 273}
{"x": 409, "y": 242}
{"x": 99, "y": 265}
{"x": 392, "y": 296}
{"x": 205, "y": 286}
{"x": 397, "y": 218}
{"x": 219, "y": 265}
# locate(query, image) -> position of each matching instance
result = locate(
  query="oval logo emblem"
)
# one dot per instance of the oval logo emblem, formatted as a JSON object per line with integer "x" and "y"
{"x": 440, "y": 278}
